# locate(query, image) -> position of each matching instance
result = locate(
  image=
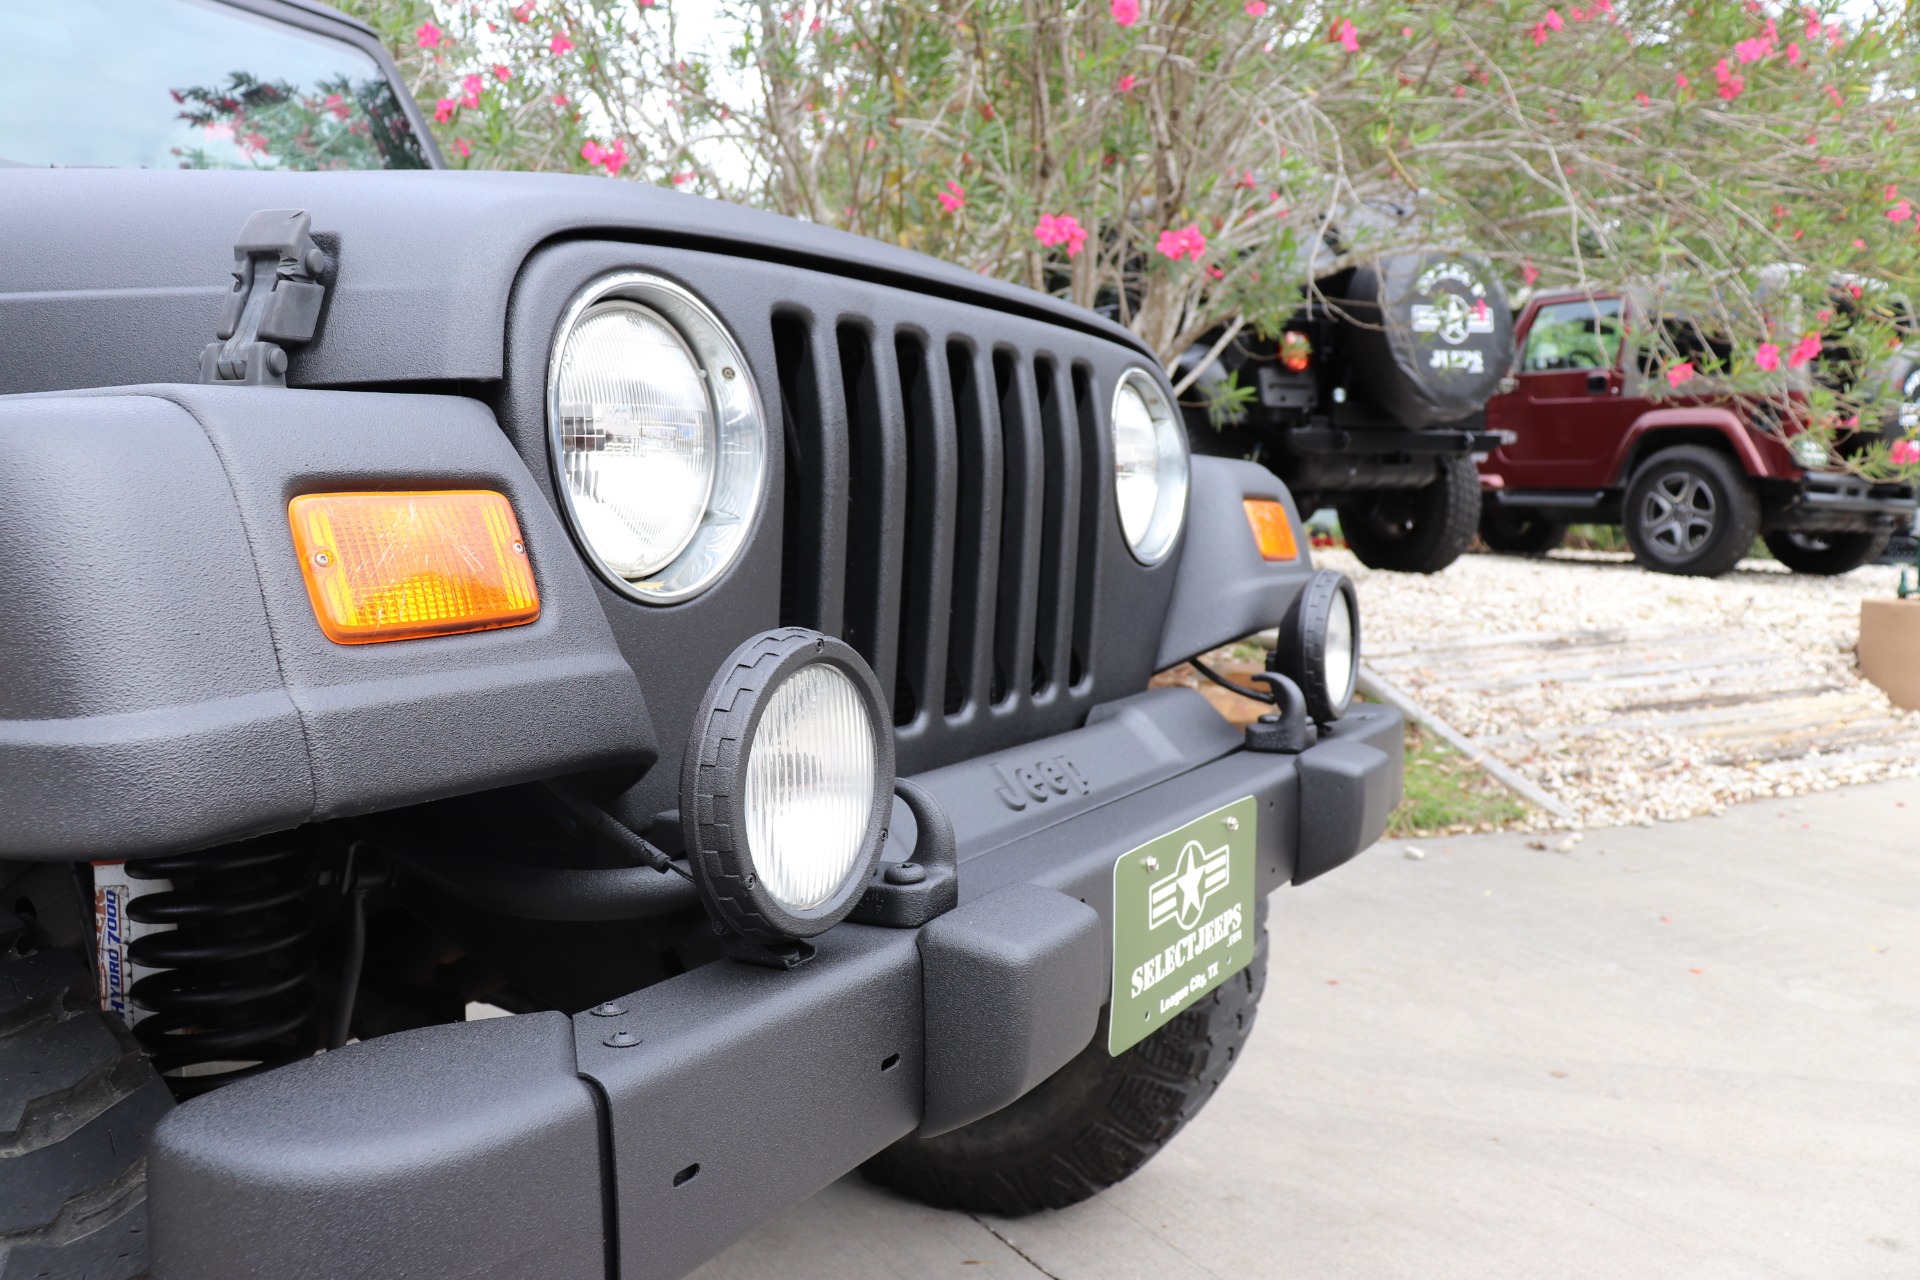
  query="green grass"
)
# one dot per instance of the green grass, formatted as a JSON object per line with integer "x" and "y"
{"x": 1447, "y": 796}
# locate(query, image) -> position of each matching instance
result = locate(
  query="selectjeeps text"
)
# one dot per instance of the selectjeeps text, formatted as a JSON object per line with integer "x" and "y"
{"x": 721, "y": 643}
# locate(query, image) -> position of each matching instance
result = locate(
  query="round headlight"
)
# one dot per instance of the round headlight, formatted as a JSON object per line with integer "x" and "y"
{"x": 1809, "y": 452}
{"x": 657, "y": 436}
{"x": 1149, "y": 466}
{"x": 1319, "y": 647}
{"x": 787, "y": 785}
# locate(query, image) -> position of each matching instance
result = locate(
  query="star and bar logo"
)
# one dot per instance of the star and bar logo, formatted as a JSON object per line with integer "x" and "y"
{"x": 1182, "y": 895}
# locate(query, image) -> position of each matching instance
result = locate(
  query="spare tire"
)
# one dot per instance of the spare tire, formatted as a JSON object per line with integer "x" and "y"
{"x": 1429, "y": 335}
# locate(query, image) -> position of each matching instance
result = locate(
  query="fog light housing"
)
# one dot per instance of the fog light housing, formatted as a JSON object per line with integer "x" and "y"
{"x": 787, "y": 785}
{"x": 1319, "y": 645}
{"x": 1809, "y": 451}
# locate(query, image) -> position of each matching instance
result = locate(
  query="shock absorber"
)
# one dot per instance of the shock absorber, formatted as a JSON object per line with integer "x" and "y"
{"x": 225, "y": 982}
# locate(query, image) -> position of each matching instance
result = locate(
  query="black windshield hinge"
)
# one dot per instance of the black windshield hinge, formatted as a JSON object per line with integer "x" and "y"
{"x": 275, "y": 300}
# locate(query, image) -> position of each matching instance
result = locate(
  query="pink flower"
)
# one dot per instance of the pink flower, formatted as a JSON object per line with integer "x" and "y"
{"x": 611, "y": 158}
{"x": 1529, "y": 273}
{"x": 1125, "y": 84}
{"x": 502, "y": 74}
{"x": 460, "y": 145}
{"x": 1680, "y": 373}
{"x": 1859, "y": 244}
{"x": 1680, "y": 80}
{"x": 1186, "y": 242}
{"x": 1256, "y": 8}
{"x": 559, "y": 99}
{"x": 1539, "y": 34}
{"x": 336, "y": 106}
{"x": 1553, "y": 20}
{"x": 1752, "y": 50}
{"x": 1343, "y": 34}
{"x": 523, "y": 12}
{"x": 560, "y": 45}
{"x": 474, "y": 87}
{"x": 1767, "y": 356}
{"x": 1793, "y": 53}
{"x": 1900, "y": 212}
{"x": 1125, "y": 12}
{"x": 428, "y": 36}
{"x": 953, "y": 199}
{"x": 1904, "y": 453}
{"x": 1834, "y": 96}
{"x": 1643, "y": 99}
{"x": 1804, "y": 350}
{"x": 443, "y": 110}
{"x": 1064, "y": 229}
{"x": 1215, "y": 273}
{"x": 680, "y": 179}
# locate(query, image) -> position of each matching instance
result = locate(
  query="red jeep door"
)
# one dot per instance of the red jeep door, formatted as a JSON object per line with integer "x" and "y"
{"x": 1567, "y": 413}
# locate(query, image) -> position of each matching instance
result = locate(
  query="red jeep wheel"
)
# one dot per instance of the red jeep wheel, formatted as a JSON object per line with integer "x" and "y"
{"x": 1690, "y": 511}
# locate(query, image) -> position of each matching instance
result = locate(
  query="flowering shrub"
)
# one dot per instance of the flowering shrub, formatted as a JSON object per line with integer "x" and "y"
{"x": 1742, "y": 163}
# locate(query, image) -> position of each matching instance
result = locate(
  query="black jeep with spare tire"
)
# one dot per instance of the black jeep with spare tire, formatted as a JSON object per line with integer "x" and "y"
{"x": 719, "y": 643}
{"x": 1370, "y": 399}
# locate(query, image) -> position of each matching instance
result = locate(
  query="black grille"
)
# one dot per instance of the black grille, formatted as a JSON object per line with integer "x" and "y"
{"x": 943, "y": 503}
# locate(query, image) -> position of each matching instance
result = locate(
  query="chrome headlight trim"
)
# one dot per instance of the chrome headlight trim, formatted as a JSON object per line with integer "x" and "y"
{"x": 737, "y": 489}
{"x": 1173, "y": 471}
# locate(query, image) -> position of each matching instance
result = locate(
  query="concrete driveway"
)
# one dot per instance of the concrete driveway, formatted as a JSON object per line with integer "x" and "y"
{"x": 1690, "y": 1050}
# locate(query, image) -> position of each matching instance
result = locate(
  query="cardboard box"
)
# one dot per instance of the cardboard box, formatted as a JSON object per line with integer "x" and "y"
{"x": 1890, "y": 648}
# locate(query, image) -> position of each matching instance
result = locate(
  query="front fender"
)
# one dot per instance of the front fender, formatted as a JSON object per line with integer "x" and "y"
{"x": 164, "y": 684}
{"x": 1721, "y": 422}
{"x": 1224, "y": 589}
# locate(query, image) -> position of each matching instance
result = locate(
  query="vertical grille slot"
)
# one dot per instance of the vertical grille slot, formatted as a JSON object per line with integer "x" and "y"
{"x": 1020, "y": 508}
{"x": 815, "y": 481}
{"x": 928, "y": 543}
{"x": 876, "y": 498}
{"x": 1094, "y": 478}
{"x": 977, "y": 502}
{"x": 1059, "y": 529}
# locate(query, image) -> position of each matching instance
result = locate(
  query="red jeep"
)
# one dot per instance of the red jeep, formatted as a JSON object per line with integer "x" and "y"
{"x": 1692, "y": 479}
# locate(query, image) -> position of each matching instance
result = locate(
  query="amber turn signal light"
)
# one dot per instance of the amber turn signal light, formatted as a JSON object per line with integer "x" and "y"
{"x": 399, "y": 566}
{"x": 1272, "y": 531}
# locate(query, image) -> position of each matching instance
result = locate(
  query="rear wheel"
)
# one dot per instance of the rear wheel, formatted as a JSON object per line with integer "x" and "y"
{"x": 1690, "y": 511}
{"x": 77, "y": 1100}
{"x": 1415, "y": 530}
{"x": 1520, "y": 533}
{"x": 1092, "y": 1123}
{"x": 1827, "y": 553}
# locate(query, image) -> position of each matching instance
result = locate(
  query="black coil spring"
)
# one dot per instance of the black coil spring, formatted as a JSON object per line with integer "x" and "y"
{"x": 237, "y": 989}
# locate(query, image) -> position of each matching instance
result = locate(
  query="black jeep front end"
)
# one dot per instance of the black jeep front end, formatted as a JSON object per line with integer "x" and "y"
{"x": 326, "y": 842}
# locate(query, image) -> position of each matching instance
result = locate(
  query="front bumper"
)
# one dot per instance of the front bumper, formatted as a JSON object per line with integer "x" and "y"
{"x": 1832, "y": 501}
{"x": 532, "y": 1145}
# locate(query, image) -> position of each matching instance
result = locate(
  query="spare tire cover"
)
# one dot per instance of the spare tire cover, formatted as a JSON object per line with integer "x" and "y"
{"x": 1430, "y": 334}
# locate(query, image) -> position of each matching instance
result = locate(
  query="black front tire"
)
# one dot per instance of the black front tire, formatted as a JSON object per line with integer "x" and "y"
{"x": 1415, "y": 530}
{"x": 1520, "y": 533}
{"x": 74, "y": 1124}
{"x": 1092, "y": 1123}
{"x": 1827, "y": 554}
{"x": 1689, "y": 510}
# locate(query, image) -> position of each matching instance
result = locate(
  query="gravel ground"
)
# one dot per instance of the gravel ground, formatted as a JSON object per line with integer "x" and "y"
{"x": 1632, "y": 696}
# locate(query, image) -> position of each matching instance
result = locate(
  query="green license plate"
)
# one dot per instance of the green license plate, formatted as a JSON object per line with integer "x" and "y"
{"x": 1182, "y": 920}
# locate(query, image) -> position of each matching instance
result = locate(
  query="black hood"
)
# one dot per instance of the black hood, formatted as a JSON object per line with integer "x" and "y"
{"x": 113, "y": 277}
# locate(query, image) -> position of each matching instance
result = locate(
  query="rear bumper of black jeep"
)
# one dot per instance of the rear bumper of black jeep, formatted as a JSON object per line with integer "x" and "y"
{"x": 543, "y": 1145}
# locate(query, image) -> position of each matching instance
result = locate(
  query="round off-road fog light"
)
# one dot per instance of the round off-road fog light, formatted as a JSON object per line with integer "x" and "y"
{"x": 1319, "y": 645}
{"x": 787, "y": 785}
{"x": 1809, "y": 451}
